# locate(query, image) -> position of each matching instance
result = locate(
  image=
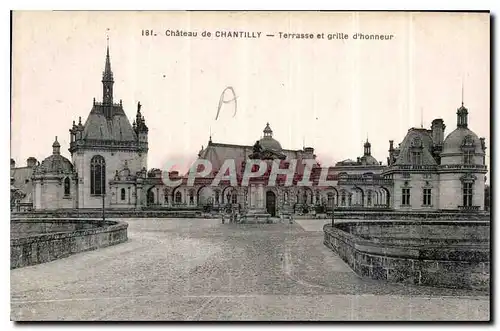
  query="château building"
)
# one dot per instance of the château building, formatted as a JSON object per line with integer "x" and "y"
{"x": 426, "y": 172}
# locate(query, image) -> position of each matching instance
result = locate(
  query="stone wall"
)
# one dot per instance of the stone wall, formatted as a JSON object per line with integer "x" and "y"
{"x": 198, "y": 213}
{"x": 455, "y": 260}
{"x": 35, "y": 241}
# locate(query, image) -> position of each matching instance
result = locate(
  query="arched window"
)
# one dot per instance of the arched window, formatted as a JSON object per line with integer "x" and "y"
{"x": 342, "y": 198}
{"x": 217, "y": 197}
{"x": 122, "y": 194}
{"x": 234, "y": 197}
{"x": 67, "y": 186}
{"x": 178, "y": 197}
{"x": 369, "y": 198}
{"x": 97, "y": 175}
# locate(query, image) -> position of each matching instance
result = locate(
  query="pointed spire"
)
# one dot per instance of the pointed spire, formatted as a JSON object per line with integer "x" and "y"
{"x": 107, "y": 74}
{"x": 107, "y": 82}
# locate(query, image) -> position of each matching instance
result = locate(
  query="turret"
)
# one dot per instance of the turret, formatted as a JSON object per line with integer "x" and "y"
{"x": 367, "y": 148}
{"x": 462, "y": 117}
{"x": 140, "y": 126}
{"x": 56, "y": 147}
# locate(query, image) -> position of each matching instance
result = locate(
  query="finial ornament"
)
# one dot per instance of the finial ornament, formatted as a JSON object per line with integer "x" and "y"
{"x": 462, "y": 91}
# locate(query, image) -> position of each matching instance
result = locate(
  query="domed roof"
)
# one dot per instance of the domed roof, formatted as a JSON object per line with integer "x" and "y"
{"x": 268, "y": 142}
{"x": 369, "y": 160}
{"x": 55, "y": 164}
{"x": 459, "y": 137}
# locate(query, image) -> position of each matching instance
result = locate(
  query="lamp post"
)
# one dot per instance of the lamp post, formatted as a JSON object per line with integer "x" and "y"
{"x": 103, "y": 216}
{"x": 333, "y": 210}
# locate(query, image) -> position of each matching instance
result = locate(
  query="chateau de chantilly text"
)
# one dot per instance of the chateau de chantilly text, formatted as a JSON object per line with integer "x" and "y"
{"x": 239, "y": 34}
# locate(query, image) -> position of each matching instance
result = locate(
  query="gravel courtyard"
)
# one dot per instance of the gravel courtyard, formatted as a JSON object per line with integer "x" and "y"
{"x": 195, "y": 269}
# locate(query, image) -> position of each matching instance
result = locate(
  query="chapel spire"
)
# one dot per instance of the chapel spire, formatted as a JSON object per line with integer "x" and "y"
{"x": 107, "y": 79}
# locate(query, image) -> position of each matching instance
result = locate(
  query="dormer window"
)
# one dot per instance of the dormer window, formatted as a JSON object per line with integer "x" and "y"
{"x": 468, "y": 157}
{"x": 416, "y": 157}
{"x": 416, "y": 151}
{"x": 468, "y": 150}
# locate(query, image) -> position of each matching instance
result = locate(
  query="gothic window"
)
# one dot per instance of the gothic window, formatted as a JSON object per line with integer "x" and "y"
{"x": 97, "y": 175}
{"x": 342, "y": 198}
{"x": 122, "y": 194}
{"x": 67, "y": 186}
{"x": 234, "y": 197}
{"x": 427, "y": 196}
{"x": 178, "y": 197}
{"x": 405, "y": 193}
{"x": 467, "y": 194}
{"x": 369, "y": 198}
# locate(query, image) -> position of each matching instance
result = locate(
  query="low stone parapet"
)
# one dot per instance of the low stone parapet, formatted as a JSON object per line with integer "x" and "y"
{"x": 35, "y": 241}
{"x": 460, "y": 262}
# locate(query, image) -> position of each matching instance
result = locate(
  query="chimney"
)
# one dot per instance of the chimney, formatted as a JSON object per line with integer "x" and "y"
{"x": 31, "y": 162}
{"x": 309, "y": 153}
{"x": 391, "y": 145}
{"x": 437, "y": 130}
{"x": 12, "y": 163}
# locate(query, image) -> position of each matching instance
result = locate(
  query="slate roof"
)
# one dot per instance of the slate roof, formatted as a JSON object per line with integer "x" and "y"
{"x": 55, "y": 164}
{"x": 404, "y": 156}
{"x": 217, "y": 153}
{"x": 453, "y": 142}
{"x": 117, "y": 128}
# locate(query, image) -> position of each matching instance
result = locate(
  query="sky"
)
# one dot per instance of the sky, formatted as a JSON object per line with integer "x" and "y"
{"x": 328, "y": 94}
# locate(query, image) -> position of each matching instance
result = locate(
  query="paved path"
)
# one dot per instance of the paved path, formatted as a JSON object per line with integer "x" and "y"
{"x": 193, "y": 269}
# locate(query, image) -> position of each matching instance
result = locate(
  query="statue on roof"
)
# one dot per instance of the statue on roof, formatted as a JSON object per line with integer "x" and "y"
{"x": 257, "y": 148}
